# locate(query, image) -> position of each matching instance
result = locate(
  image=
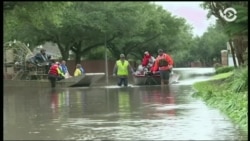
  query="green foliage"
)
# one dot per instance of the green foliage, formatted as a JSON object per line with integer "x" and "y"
{"x": 98, "y": 54}
{"x": 229, "y": 95}
{"x": 152, "y": 32}
{"x": 224, "y": 69}
{"x": 25, "y": 20}
{"x": 240, "y": 80}
{"x": 38, "y": 12}
{"x": 181, "y": 47}
{"x": 234, "y": 29}
{"x": 211, "y": 43}
{"x": 240, "y": 25}
{"x": 222, "y": 75}
{"x": 83, "y": 27}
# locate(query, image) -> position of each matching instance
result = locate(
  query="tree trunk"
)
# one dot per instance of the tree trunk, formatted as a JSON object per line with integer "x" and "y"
{"x": 239, "y": 49}
{"x": 76, "y": 47}
{"x": 65, "y": 55}
{"x": 62, "y": 50}
{"x": 232, "y": 51}
{"x": 78, "y": 58}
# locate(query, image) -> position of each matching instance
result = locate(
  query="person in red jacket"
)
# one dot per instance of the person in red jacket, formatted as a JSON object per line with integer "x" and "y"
{"x": 55, "y": 74}
{"x": 147, "y": 61}
{"x": 163, "y": 63}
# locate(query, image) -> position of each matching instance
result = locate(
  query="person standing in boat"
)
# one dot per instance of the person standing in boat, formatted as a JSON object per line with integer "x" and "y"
{"x": 55, "y": 74}
{"x": 79, "y": 70}
{"x": 121, "y": 70}
{"x": 163, "y": 63}
{"x": 64, "y": 69}
{"x": 147, "y": 61}
{"x": 43, "y": 59}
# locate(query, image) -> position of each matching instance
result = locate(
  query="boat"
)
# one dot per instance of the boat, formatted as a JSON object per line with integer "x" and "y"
{"x": 88, "y": 79}
{"x": 27, "y": 72}
{"x": 144, "y": 77}
{"x": 80, "y": 81}
{"x": 37, "y": 77}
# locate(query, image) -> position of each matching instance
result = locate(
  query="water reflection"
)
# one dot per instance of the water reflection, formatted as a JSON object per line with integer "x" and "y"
{"x": 115, "y": 114}
{"x": 163, "y": 97}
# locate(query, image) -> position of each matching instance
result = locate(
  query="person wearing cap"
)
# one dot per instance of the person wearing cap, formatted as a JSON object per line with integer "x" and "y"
{"x": 55, "y": 73}
{"x": 42, "y": 57}
{"x": 163, "y": 63}
{"x": 121, "y": 70}
{"x": 147, "y": 61}
{"x": 64, "y": 69}
{"x": 79, "y": 70}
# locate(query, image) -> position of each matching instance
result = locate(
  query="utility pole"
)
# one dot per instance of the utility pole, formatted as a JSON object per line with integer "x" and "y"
{"x": 106, "y": 61}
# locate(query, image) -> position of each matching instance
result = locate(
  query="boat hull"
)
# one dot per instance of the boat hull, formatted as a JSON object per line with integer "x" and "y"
{"x": 147, "y": 80}
{"x": 81, "y": 81}
{"x": 89, "y": 79}
{"x": 153, "y": 79}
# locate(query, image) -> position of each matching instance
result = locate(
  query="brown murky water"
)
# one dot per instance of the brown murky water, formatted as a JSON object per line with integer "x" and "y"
{"x": 112, "y": 113}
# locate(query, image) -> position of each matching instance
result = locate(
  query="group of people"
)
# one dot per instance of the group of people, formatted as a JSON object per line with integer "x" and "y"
{"x": 59, "y": 71}
{"x": 162, "y": 64}
{"x": 56, "y": 70}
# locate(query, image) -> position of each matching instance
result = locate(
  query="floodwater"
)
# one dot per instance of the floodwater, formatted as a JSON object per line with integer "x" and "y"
{"x": 113, "y": 113}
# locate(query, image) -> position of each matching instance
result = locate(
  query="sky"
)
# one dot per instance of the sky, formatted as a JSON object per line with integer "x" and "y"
{"x": 192, "y": 12}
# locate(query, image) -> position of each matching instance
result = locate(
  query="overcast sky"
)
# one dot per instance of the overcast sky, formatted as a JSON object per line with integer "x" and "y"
{"x": 192, "y": 12}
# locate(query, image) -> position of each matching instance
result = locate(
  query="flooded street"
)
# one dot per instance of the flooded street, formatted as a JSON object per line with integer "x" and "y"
{"x": 112, "y": 113}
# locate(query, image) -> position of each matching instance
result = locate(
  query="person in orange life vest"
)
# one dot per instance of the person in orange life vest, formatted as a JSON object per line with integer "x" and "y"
{"x": 55, "y": 74}
{"x": 164, "y": 63}
{"x": 147, "y": 61}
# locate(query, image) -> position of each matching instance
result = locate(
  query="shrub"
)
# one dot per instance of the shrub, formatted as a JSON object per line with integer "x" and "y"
{"x": 224, "y": 69}
{"x": 240, "y": 80}
{"x": 230, "y": 95}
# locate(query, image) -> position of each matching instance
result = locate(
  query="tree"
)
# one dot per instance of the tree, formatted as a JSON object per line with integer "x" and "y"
{"x": 236, "y": 30}
{"x": 85, "y": 26}
{"x": 156, "y": 30}
{"x": 24, "y": 20}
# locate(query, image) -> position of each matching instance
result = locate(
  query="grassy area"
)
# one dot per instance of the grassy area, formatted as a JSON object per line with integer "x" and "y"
{"x": 222, "y": 75}
{"x": 228, "y": 92}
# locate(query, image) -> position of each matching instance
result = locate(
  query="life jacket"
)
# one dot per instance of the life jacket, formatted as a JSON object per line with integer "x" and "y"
{"x": 163, "y": 61}
{"x": 78, "y": 72}
{"x": 53, "y": 70}
{"x": 122, "y": 68}
{"x": 63, "y": 69}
